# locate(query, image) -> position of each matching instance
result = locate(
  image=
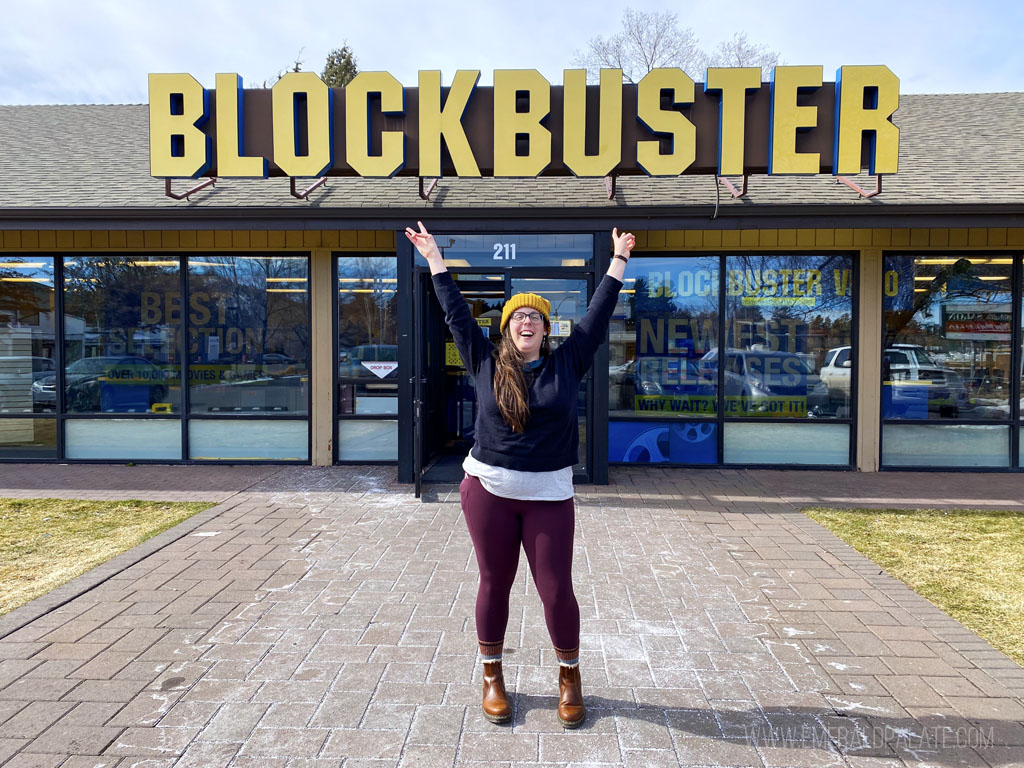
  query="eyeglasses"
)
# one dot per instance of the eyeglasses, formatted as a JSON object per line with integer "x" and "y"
{"x": 533, "y": 317}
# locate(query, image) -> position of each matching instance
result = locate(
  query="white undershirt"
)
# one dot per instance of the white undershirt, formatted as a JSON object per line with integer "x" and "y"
{"x": 525, "y": 486}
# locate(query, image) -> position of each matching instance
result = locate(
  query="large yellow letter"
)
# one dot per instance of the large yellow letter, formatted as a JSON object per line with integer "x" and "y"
{"x": 231, "y": 161}
{"x": 436, "y": 122}
{"x": 178, "y": 105}
{"x": 508, "y": 122}
{"x": 357, "y": 124}
{"x": 733, "y": 83}
{"x": 574, "y": 123}
{"x": 866, "y": 98}
{"x": 788, "y": 118}
{"x": 286, "y": 93}
{"x": 670, "y": 122}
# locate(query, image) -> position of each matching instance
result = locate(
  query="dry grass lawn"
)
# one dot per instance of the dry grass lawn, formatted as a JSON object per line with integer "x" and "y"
{"x": 970, "y": 563}
{"x": 47, "y": 542}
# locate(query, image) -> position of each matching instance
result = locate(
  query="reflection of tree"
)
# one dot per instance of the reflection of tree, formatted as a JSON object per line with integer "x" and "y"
{"x": 106, "y": 292}
{"x": 810, "y": 327}
{"x": 367, "y": 301}
{"x": 701, "y": 312}
{"x": 23, "y": 300}
{"x": 928, "y": 296}
{"x": 261, "y": 297}
{"x": 917, "y": 318}
{"x": 24, "y": 303}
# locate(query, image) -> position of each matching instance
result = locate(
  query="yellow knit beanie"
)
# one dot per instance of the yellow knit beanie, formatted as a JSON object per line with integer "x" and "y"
{"x": 520, "y": 300}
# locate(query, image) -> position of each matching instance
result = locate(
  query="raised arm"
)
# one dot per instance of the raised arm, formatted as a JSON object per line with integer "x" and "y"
{"x": 622, "y": 247}
{"x": 470, "y": 340}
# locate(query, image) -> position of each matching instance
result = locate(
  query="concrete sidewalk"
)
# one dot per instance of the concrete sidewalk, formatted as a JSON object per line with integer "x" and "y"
{"x": 323, "y": 617}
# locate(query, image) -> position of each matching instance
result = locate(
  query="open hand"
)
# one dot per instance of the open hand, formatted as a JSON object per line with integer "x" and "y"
{"x": 424, "y": 242}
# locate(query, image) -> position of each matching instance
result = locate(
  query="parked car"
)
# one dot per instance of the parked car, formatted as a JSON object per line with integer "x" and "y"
{"x": 107, "y": 384}
{"x": 762, "y": 382}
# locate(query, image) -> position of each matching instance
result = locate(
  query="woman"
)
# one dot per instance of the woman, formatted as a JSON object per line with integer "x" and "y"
{"x": 518, "y": 485}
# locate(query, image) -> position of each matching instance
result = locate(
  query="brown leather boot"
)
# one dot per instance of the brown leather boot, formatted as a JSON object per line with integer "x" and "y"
{"x": 495, "y": 704}
{"x": 570, "y": 697}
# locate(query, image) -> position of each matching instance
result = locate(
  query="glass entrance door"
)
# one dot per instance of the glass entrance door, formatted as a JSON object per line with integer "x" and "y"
{"x": 448, "y": 397}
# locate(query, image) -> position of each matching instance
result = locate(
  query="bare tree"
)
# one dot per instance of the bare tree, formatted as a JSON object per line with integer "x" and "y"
{"x": 648, "y": 40}
{"x": 652, "y": 39}
{"x": 741, "y": 52}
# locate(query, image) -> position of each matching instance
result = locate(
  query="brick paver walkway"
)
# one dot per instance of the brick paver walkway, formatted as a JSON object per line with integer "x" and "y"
{"x": 323, "y": 617}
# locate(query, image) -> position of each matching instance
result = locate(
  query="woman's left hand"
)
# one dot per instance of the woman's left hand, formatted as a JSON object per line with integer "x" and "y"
{"x": 622, "y": 244}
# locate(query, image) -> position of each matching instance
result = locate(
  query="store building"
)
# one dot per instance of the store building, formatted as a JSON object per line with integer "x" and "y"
{"x": 247, "y": 324}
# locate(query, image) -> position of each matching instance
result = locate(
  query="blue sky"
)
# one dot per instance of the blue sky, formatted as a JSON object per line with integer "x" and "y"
{"x": 65, "y": 52}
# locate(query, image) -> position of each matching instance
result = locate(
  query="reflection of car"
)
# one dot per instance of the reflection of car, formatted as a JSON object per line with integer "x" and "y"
{"x": 107, "y": 384}
{"x": 914, "y": 378}
{"x": 836, "y": 372}
{"x": 666, "y": 376}
{"x": 273, "y": 358}
{"x": 277, "y": 364}
{"x": 350, "y": 361}
{"x": 762, "y": 382}
{"x": 670, "y": 376}
{"x": 18, "y": 374}
{"x": 617, "y": 388}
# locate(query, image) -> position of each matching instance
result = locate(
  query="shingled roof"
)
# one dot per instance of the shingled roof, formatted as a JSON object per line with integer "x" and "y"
{"x": 957, "y": 153}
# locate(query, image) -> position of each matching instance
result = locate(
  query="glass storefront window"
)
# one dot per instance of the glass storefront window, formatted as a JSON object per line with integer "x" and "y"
{"x": 364, "y": 440}
{"x": 367, "y": 291}
{"x": 249, "y": 334}
{"x": 787, "y": 443}
{"x": 946, "y": 350}
{"x": 368, "y": 318}
{"x": 153, "y": 439}
{"x": 786, "y": 316}
{"x": 27, "y": 335}
{"x": 28, "y": 438}
{"x": 248, "y": 440}
{"x": 122, "y": 335}
{"x": 946, "y": 445}
{"x": 663, "y": 327}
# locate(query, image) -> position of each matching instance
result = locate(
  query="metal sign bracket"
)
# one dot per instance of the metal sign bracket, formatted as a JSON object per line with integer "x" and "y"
{"x": 860, "y": 190}
{"x": 185, "y": 195}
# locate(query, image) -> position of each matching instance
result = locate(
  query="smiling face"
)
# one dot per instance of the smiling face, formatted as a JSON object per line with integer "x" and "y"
{"x": 527, "y": 334}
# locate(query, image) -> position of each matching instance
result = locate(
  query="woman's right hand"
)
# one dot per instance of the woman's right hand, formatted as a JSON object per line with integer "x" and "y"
{"x": 424, "y": 242}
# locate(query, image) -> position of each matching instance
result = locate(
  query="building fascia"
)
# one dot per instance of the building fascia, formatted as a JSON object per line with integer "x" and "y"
{"x": 865, "y": 215}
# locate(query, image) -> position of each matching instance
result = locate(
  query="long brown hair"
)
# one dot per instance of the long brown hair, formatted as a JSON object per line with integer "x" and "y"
{"x": 512, "y": 383}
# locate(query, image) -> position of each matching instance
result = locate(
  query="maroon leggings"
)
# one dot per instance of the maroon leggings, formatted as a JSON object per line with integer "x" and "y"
{"x": 545, "y": 529}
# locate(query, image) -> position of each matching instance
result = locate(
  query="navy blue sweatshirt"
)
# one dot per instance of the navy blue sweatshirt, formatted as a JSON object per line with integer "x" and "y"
{"x": 551, "y": 439}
